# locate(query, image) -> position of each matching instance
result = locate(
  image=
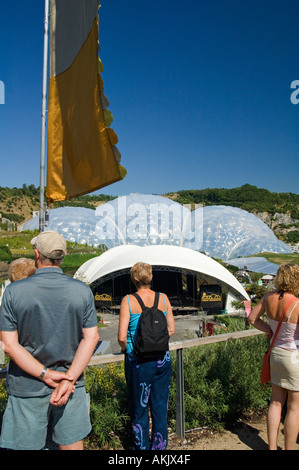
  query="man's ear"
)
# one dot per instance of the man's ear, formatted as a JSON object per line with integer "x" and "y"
{"x": 37, "y": 255}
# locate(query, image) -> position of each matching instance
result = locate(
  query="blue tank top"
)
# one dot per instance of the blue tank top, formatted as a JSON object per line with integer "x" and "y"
{"x": 133, "y": 324}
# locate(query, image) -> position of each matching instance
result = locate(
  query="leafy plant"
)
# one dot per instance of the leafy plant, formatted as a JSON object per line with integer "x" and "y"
{"x": 221, "y": 385}
{"x": 5, "y": 254}
{"x": 109, "y": 405}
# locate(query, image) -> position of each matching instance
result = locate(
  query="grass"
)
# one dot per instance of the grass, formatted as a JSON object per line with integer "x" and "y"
{"x": 15, "y": 245}
{"x": 292, "y": 258}
{"x": 20, "y": 246}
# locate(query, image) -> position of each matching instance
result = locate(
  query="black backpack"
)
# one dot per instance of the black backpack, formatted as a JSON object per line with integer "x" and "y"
{"x": 152, "y": 334}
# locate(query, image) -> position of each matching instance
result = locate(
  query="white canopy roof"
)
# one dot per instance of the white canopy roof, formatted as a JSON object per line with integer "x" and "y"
{"x": 124, "y": 257}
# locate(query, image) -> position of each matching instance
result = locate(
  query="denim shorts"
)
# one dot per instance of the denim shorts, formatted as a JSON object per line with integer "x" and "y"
{"x": 25, "y": 421}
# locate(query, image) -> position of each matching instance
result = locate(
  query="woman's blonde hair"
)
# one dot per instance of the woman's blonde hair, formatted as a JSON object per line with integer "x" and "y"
{"x": 141, "y": 274}
{"x": 287, "y": 279}
{"x": 20, "y": 269}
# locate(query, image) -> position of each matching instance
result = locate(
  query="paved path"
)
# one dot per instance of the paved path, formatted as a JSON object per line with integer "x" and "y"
{"x": 186, "y": 327}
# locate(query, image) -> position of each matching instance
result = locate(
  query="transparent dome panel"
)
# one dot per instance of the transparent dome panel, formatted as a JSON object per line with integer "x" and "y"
{"x": 76, "y": 224}
{"x": 141, "y": 220}
{"x": 230, "y": 232}
{"x": 221, "y": 232}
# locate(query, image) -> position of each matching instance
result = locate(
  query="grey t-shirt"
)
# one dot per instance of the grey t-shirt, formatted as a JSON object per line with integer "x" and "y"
{"x": 49, "y": 311}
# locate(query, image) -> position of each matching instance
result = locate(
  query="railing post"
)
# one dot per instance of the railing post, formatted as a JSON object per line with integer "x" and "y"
{"x": 180, "y": 405}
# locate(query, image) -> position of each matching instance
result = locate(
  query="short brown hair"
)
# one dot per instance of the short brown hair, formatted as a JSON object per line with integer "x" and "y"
{"x": 141, "y": 274}
{"x": 287, "y": 279}
{"x": 20, "y": 269}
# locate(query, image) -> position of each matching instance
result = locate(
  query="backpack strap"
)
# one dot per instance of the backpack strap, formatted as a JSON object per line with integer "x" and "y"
{"x": 280, "y": 321}
{"x": 156, "y": 302}
{"x": 139, "y": 300}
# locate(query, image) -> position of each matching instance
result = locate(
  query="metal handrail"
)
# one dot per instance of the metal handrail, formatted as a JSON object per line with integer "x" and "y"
{"x": 179, "y": 346}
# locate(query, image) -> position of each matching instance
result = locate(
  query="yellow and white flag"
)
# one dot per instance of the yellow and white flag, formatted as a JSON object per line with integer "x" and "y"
{"x": 81, "y": 155}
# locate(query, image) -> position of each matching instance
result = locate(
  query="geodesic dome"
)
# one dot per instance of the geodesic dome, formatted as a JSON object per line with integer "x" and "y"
{"x": 141, "y": 220}
{"x": 76, "y": 224}
{"x": 230, "y": 232}
{"x": 222, "y": 232}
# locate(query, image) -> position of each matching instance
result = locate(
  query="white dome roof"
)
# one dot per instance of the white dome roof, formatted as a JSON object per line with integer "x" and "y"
{"x": 124, "y": 257}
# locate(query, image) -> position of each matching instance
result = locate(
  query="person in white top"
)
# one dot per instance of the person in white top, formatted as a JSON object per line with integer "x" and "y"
{"x": 284, "y": 360}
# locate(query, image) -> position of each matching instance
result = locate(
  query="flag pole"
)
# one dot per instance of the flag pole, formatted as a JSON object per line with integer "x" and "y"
{"x": 44, "y": 118}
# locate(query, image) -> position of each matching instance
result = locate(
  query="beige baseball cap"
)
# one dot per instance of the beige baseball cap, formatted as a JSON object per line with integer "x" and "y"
{"x": 48, "y": 242}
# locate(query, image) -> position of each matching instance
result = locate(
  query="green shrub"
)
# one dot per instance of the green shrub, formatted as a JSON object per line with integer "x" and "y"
{"x": 3, "y": 399}
{"x": 5, "y": 254}
{"x": 221, "y": 383}
{"x": 109, "y": 406}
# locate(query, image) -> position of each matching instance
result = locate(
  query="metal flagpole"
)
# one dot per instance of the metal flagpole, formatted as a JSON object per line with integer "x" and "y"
{"x": 44, "y": 118}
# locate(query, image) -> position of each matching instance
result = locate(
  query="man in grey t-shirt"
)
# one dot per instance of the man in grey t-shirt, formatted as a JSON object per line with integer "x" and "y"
{"x": 49, "y": 330}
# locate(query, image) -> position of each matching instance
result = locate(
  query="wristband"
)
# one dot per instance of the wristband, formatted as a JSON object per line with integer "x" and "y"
{"x": 42, "y": 375}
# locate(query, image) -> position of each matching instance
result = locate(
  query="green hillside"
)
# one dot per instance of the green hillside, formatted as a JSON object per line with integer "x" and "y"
{"x": 17, "y": 204}
{"x": 247, "y": 197}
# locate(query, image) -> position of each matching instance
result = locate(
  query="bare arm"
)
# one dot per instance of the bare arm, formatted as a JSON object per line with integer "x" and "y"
{"x": 25, "y": 360}
{"x": 81, "y": 359}
{"x": 169, "y": 317}
{"x": 124, "y": 318}
{"x": 255, "y": 318}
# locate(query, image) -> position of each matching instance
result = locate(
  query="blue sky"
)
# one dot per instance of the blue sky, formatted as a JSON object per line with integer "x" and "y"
{"x": 199, "y": 89}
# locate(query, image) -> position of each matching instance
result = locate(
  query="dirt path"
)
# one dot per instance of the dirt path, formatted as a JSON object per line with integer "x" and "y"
{"x": 250, "y": 434}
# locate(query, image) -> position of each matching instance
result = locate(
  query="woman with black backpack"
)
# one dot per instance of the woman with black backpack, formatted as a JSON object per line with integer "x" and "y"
{"x": 145, "y": 324}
